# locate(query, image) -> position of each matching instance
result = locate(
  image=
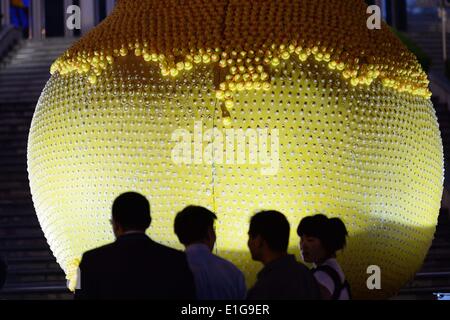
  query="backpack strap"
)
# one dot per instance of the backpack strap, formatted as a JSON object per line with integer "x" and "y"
{"x": 338, "y": 285}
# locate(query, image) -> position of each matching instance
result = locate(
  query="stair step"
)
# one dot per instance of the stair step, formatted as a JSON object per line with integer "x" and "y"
{"x": 27, "y": 87}
{"x": 24, "y": 70}
{"x": 31, "y": 55}
{"x": 14, "y": 225}
{"x": 33, "y": 262}
{"x": 52, "y": 285}
{"x": 12, "y": 121}
{"x": 20, "y": 99}
{"x": 34, "y": 253}
{"x": 17, "y": 177}
{"x": 15, "y": 188}
{"x": 50, "y": 43}
{"x": 14, "y": 79}
{"x": 16, "y": 211}
{"x": 35, "y": 62}
{"x": 23, "y": 128}
{"x": 429, "y": 290}
{"x": 26, "y": 260}
{"x": 37, "y": 291}
{"x": 426, "y": 268}
{"x": 17, "y": 106}
{"x": 427, "y": 275}
{"x": 437, "y": 245}
{"x": 16, "y": 239}
{"x": 19, "y": 195}
{"x": 13, "y": 145}
{"x": 20, "y": 275}
{"x": 16, "y": 96}
{"x": 435, "y": 265}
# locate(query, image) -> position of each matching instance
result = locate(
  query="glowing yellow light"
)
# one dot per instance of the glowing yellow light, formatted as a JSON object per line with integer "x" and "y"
{"x": 357, "y": 135}
{"x": 92, "y": 79}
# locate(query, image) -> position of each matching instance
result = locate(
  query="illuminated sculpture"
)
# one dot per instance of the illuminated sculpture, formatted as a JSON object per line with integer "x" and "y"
{"x": 357, "y": 133}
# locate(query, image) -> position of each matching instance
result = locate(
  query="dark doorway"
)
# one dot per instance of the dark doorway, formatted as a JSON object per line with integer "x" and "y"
{"x": 396, "y": 14}
{"x": 76, "y": 32}
{"x": 101, "y": 10}
{"x": 54, "y": 18}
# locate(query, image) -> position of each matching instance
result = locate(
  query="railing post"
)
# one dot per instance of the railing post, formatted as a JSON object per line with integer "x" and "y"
{"x": 5, "y": 11}
{"x": 110, "y": 6}
{"x": 443, "y": 15}
{"x": 87, "y": 15}
{"x": 37, "y": 15}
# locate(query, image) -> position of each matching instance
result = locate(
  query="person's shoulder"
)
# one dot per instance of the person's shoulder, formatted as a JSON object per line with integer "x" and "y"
{"x": 298, "y": 266}
{"x": 228, "y": 265}
{"x": 302, "y": 266}
{"x": 97, "y": 252}
{"x": 303, "y": 270}
{"x": 334, "y": 264}
{"x": 168, "y": 251}
{"x": 330, "y": 269}
{"x": 263, "y": 288}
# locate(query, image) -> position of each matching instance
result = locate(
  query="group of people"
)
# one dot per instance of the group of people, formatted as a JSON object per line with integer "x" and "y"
{"x": 136, "y": 267}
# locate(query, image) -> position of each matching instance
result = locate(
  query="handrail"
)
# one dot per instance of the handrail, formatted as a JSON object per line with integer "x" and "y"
{"x": 440, "y": 87}
{"x": 9, "y": 36}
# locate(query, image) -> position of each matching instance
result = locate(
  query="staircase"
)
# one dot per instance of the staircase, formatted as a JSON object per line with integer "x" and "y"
{"x": 426, "y": 31}
{"x": 32, "y": 269}
{"x": 434, "y": 277}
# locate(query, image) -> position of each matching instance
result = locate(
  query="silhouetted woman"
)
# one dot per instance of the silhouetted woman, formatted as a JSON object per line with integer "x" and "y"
{"x": 320, "y": 239}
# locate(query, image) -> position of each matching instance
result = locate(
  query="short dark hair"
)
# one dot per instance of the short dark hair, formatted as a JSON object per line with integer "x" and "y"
{"x": 192, "y": 223}
{"x": 131, "y": 211}
{"x": 273, "y": 227}
{"x": 331, "y": 232}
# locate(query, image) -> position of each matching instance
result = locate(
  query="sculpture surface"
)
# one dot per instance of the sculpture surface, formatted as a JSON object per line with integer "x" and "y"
{"x": 346, "y": 109}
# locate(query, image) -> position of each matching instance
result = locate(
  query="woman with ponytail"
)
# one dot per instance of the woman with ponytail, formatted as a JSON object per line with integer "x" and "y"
{"x": 320, "y": 239}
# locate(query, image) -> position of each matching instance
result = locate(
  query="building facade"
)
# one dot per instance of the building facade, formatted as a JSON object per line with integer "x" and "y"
{"x": 47, "y": 18}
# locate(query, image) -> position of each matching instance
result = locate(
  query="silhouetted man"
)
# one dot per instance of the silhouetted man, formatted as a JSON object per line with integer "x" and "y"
{"x": 282, "y": 278}
{"x": 215, "y": 278}
{"x": 134, "y": 266}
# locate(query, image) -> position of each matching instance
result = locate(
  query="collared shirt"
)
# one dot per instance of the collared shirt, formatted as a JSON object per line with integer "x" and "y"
{"x": 215, "y": 278}
{"x": 284, "y": 279}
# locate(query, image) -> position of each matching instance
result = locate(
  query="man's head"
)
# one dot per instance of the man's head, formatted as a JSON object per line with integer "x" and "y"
{"x": 268, "y": 235}
{"x": 195, "y": 225}
{"x": 130, "y": 212}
